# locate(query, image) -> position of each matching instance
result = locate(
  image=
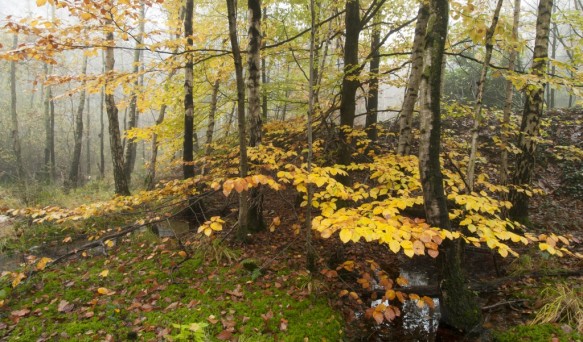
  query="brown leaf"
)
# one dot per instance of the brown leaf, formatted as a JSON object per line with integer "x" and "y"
{"x": 266, "y": 317}
{"x": 172, "y": 306}
{"x": 212, "y": 319}
{"x": 390, "y": 314}
{"x": 225, "y": 335}
{"x": 65, "y": 306}
{"x": 378, "y": 316}
{"x": 283, "y": 324}
{"x": 20, "y": 313}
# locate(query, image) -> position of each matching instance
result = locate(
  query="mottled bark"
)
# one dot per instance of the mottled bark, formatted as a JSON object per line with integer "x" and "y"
{"x": 253, "y": 72}
{"x": 480, "y": 95}
{"x": 49, "y": 121}
{"x": 459, "y": 308}
{"x": 406, "y": 115}
{"x": 76, "y": 160}
{"x": 131, "y": 146}
{"x": 121, "y": 185}
{"x": 243, "y": 229}
{"x": 372, "y": 107}
{"x": 188, "y": 142}
{"x": 88, "y": 138}
{"x": 255, "y": 214}
{"x": 508, "y": 101}
{"x": 14, "y": 117}
{"x": 533, "y": 111}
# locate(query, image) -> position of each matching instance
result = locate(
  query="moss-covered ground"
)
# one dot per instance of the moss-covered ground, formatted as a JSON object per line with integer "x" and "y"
{"x": 142, "y": 287}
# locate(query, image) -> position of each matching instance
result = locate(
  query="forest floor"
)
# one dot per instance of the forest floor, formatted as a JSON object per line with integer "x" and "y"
{"x": 185, "y": 286}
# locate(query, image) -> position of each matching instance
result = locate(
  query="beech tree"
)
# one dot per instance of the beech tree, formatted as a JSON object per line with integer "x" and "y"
{"x": 532, "y": 114}
{"x": 76, "y": 160}
{"x": 460, "y": 308}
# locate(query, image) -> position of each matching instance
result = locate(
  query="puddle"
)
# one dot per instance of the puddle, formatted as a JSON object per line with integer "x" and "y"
{"x": 415, "y": 323}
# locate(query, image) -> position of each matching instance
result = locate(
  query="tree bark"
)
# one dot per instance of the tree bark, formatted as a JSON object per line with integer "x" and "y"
{"x": 373, "y": 88}
{"x": 14, "y": 116}
{"x": 88, "y": 139}
{"x": 188, "y": 143}
{"x": 49, "y": 118}
{"x": 76, "y": 160}
{"x": 211, "y": 121}
{"x": 459, "y": 304}
{"x": 507, "y": 111}
{"x": 533, "y": 111}
{"x": 480, "y": 95}
{"x": 255, "y": 215}
{"x": 243, "y": 229}
{"x": 350, "y": 82}
{"x": 131, "y": 146}
{"x": 121, "y": 185}
{"x": 406, "y": 115}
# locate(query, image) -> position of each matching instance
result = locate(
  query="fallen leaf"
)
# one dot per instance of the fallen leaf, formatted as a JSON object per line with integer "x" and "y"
{"x": 212, "y": 319}
{"x": 20, "y": 313}
{"x": 283, "y": 324}
{"x": 65, "y": 306}
{"x": 266, "y": 317}
{"x": 225, "y": 335}
{"x": 104, "y": 273}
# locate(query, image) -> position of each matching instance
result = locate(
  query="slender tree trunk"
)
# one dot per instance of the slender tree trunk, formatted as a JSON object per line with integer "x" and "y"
{"x": 49, "y": 114}
{"x": 551, "y": 102}
{"x": 373, "y": 88}
{"x": 230, "y": 120}
{"x": 121, "y": 185}
{"x": 480, "y": 95}
{"x": 255, "y": 216}
{"x": 264, "y": 79}
{"x": 310, "y": 253}
{"x": 459, "y": 304}
{"x": 243, "y": 165}
{"x": 350, "y": 82}
{"x": 509, "y": 98}
{"x": 131, "y": 146}
{"x": 254, "y": 69}
{"x": 76, "y": 160}
{"x": 406, "y": 115}
{"x": 188, "y": 153}
{"x": 533, "y": 111}
{"x": 88, "y": 140}
{"x": 102, "y": 133}
{"x": 14, "y": 116}
{"x": 211, "y": 122}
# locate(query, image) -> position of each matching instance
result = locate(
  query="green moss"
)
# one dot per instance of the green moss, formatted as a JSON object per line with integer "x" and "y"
{"x": 536, "y": 333}
{"x": 189, "y": 293}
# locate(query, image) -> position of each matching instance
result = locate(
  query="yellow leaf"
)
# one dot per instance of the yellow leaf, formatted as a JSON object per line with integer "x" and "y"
{"x": 17, "y": 278}
{"x": 228, "y": 186}
{"x": 395, "y": 246}
{"x": 343, "y": 293}
{"x": 103, "y": 291}
{"x": 104, "y": 273}
{"x": 40, "y": 3}
{"x": 216, "y": 226}
{"x": 182, "y": 254}
{"x": 86, "y": 16}
{"x": 109, "y": 243}
{"x": 43, "y": 263}
{"x": 345, "y": 235}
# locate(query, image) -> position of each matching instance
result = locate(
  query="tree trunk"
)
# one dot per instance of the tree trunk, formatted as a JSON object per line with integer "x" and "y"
{"x": 373, "y": 88}
{"x": 406, "y": 115}
{"x": 14, "y": 116}
{"x": 533, "y": 110}
{"x": 509, "y": 98}
{"x": 350, "y": 82}
{"x": 480, "y": 95}
{"x": 76, "y": 160}
{"x": 264, "y": 80}
{"x": 310, "y": 252}
{"x": 211, "y": 122}
{"x": 121, "y": 185}
{"x": 49, "y": 115}
{"x": 88, "y": 139}
{"x": 131, "y": 146}
{"x": 243, "y": 229}
{"x": 255, "y": 216}
{"x": 459, "y": 309}
{"x": 188, "y": 143}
